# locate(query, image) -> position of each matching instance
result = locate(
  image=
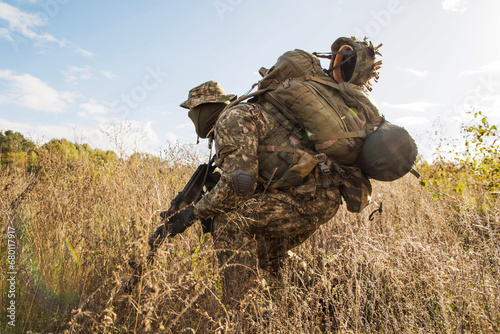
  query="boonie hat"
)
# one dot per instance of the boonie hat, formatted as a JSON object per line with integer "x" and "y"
{"x": 208, "y": 92}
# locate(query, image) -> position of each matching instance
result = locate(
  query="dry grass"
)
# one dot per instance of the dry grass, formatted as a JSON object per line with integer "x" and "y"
{"x": 423, "y": 265}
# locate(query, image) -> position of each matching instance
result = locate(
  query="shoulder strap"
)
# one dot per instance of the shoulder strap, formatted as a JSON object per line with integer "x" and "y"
{"x": 272, "y": 148}
{"x": 246, "y": 97}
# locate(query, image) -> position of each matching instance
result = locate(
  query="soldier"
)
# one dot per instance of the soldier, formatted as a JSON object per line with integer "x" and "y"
{"x": 266, "y": 202}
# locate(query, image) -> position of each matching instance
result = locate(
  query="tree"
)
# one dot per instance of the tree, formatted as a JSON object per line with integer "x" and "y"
{"x": 14, "y": 142}
{"x": 15, "y": 150}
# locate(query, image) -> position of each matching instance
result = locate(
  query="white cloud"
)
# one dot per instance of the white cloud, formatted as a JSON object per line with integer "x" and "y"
{"x": 25, "y": 23}
{"x": 74, "y": 73}
{"x": 108, "y": 74}
{"x": 186, "y": 125}
{"x": 5, "y": 34}
{"x": 28, "y": 27}
{"x": 41, "y": 134}
{"x": 417, "y": 73}
{"x": 487, "y": 68}
{"x": 339, "y": 5}
{"x": 459, "y": 6}
{"x": 82, "y": 51}
{"x": 118, "y": 135}
{"x": 30, "y": 92}
{"x": 93, "y": 107}
{"x": 25, "y": 129}
{"x": 412, "y": 106}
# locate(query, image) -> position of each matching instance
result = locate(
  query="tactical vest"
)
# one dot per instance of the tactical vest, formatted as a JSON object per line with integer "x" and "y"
{"x": 288, "y": 162}
{"x": 274, "y": 163}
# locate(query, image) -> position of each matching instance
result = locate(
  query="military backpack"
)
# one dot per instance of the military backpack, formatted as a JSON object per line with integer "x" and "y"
{"x": 337, "y": 115}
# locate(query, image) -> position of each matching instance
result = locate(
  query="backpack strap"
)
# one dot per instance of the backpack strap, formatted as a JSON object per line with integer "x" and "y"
{"x": 340, "y": 135}
{"x": 272, "y": 148}
{"x": 246, "y": 97}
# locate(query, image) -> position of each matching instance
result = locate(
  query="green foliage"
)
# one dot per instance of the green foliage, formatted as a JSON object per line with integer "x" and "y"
{"x": 483, "y": 151}
{"x": 17, "y": 151}
{"x": 72, "y": 151}
{"x": 472, "y": 171}
{"x": 14, "y": 142}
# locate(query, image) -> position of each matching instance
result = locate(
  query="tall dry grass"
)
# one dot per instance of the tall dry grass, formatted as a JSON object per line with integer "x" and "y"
{"x": 423, "y": 264}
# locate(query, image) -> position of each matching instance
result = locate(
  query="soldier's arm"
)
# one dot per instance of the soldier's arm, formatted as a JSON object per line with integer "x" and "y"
{"x": 236, "y": 142}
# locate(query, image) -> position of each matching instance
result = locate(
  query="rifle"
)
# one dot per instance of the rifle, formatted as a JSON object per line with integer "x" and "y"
{"x": 175, "y": 222}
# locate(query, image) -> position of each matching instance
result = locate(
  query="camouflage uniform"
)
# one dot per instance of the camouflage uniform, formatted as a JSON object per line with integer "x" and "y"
{"x": 256, "y": 230}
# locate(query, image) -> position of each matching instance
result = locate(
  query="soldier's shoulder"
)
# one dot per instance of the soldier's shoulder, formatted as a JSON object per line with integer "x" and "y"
{"x": 238, "y": 112}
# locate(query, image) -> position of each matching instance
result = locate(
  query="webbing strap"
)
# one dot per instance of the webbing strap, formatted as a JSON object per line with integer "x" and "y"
{"x": 306, "y": 101}
{"x": 352, "y": 134}
{"x": 286, "y": 71}
{"x": 321, "y": 81}
{"x": 294, "y": 97}
{"x": 341, "y": 135}
{"x": 246, "y": 97}
{"x": 325, "y": 145}
{"x": 272, "y": 148}
{"x": 415, "y": 173}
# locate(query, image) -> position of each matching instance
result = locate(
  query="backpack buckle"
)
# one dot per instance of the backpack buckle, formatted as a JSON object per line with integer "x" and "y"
{"x": 325, "y": 172}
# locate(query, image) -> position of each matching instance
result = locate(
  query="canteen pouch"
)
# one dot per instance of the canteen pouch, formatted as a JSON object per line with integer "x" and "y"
{"x": 355, "y": 189}
{"x": 299, "y": 175}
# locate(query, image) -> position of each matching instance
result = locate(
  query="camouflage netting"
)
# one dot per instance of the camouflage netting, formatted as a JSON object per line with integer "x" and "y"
{"x": 362, "y": 67}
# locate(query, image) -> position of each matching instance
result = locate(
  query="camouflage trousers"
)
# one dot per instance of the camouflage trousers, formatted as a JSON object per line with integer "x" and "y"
{"x": 262, "y": 230}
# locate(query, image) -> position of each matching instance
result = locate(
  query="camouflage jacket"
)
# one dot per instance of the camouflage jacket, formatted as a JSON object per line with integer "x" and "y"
{"x": 238, "y": 133}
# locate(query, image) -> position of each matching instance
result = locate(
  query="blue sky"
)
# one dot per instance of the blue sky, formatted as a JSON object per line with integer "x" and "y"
{"x": 113, "y": 73}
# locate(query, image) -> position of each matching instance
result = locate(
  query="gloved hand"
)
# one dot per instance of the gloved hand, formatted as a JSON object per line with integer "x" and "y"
{"x": 180, "y": 221}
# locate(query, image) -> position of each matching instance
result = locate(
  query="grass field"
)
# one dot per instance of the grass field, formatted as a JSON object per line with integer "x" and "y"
{"x": 428, "y": 263}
